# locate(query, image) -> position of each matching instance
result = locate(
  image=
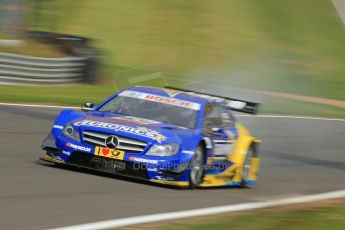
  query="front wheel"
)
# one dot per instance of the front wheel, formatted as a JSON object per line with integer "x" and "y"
{"x": 196, "y": 168}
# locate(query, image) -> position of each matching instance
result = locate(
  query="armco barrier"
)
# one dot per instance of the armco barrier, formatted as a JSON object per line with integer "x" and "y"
{"x": 26, "y": 70}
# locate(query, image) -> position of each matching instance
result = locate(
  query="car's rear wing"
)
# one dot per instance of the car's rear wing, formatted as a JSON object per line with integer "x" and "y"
{"x": 231, "y": 103}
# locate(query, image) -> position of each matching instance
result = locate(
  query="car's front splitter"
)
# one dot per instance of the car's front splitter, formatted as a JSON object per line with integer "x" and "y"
{"x": 140, "y": 170}
{"x": 51, "y": 159}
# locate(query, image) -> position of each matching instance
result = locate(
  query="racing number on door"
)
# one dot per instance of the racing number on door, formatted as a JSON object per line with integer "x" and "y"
{"x": 109, "y": 153}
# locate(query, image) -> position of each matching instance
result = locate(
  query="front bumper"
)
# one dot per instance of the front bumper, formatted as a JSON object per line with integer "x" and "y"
{"x": 170, "y": 170}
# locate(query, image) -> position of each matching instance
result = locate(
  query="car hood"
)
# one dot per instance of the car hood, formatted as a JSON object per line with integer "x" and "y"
{"x": 132, "y": 127}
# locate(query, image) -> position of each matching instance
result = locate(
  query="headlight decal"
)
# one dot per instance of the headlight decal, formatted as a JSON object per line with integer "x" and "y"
{"x": 69, "y": 132}
{"x": 163, "y": 150}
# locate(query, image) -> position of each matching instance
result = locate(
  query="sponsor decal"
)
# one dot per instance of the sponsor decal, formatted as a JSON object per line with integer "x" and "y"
{"x": 188, "y": 152}
{"x": 109, "y": 153}
{"x": 140, "y": 131}
{"x": 66, "y": 152}
{"x": 58, "y": 127}
{"x": 143, "y": 160}
{"x": 152, "y": 169}
{"x": 77, "y": 147}
{"x": 161, "y": 99}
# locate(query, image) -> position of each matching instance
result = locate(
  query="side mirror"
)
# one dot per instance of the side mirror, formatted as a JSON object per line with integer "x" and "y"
{"x": 87, "y": 106}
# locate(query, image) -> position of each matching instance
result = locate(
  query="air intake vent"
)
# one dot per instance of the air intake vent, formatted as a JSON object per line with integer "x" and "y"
{"x": 123, "y": 143}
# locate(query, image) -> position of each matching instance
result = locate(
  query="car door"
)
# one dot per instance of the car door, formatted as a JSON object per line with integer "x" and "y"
{"x": 219, "y": 128}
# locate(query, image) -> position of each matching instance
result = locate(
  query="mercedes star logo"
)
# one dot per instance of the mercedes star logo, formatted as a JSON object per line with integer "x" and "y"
{"x": 111, "y": 142}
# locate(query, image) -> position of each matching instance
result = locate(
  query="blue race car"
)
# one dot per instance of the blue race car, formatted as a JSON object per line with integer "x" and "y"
{"x": 164, "y": 135}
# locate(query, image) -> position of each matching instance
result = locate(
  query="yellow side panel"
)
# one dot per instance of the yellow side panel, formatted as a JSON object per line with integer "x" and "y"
{"x": 237, "y": 156}
{"x": 219, "y": 179}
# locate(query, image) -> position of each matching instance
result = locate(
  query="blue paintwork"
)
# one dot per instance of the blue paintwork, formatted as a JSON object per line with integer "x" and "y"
{"x": 188, "y": 139}
{"x": 250, "y": 182}
{"x": 233, "y": 184}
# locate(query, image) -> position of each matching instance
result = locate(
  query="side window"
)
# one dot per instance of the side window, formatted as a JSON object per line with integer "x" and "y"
{"x": 211, "y": 118}
{"x": 225, "y": 117}
{"x": 217, "y": 116}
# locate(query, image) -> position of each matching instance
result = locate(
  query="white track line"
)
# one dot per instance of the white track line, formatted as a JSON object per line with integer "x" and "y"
{"x": 291, "y": 116}
{"x": 239, "y": 115}
{"x": 116, "y": 223}
{"x": 39, "y": 106}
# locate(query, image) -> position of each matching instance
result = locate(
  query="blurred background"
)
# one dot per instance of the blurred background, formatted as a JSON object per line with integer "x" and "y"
{"x": 288, "y": 55}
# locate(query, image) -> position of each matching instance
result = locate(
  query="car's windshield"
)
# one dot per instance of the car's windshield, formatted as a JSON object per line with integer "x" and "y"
{"x": 153, "y": 110}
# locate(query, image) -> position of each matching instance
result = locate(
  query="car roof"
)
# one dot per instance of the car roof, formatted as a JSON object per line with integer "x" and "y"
{"x": 170, "y": 93}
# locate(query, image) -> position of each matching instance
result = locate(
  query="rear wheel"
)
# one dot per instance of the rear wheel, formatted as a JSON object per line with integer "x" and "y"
{"x": 247, "y": 166}
{"x": 196, "y": 168}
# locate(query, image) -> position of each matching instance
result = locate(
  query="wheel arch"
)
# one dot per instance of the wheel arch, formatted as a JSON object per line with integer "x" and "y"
{"x": 256, "y": 147}
{"x": 205, "y": 147}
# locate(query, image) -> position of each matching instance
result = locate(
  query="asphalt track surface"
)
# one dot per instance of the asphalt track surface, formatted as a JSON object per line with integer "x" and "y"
{"x": 299, "y": 157}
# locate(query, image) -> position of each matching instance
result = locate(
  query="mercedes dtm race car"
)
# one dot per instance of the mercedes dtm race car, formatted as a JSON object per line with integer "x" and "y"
{"x": 163, "y": 135}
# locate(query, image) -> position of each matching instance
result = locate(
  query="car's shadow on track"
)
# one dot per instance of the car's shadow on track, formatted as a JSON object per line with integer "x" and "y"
{"x": 123, "y": 178}
{"x": 105, "y": 175}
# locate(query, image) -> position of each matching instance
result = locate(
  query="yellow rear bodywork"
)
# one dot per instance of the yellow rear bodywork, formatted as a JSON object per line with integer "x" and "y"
{"x": 233, "y": 175}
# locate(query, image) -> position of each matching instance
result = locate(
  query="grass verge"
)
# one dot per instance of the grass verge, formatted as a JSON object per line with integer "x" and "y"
{"x": 289, "y": 46}
{"x": 285, "y": 46}
{"x": 306, "y": 217}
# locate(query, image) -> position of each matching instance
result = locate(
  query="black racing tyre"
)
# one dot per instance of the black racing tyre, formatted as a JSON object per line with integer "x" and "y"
{"x": 196, "y": 171}
{"x": 247, "y": 164}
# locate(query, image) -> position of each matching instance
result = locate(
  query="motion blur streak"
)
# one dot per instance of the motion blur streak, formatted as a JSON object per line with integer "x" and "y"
{"x": 340, "y": 6}
{"x": 239, "y": 115}
{"x": 39, "y": 106}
